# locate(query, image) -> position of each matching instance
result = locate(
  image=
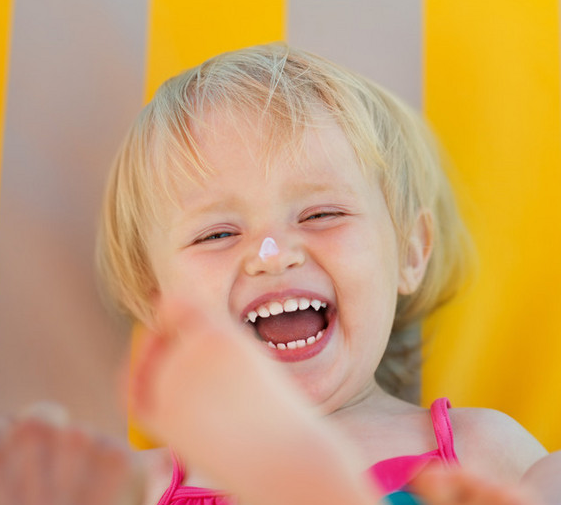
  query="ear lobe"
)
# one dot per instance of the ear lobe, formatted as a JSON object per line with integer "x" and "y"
{"x": 416, "y": 257}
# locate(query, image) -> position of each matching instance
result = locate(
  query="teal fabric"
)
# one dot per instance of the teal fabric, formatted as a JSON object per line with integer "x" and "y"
{"x": 401, "y": 498}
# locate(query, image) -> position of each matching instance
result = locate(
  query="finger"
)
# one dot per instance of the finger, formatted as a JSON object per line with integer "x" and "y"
{"x": 442, "y": 486}
{"x": 47, "y": 412}
{"x": 26, "y": 443}
{"x": 5, "y": 426}
{"x": 69, "y": 473}
{"x": 433, "y": 486}
{"x": 113, "y": 476}
{"x": 30, "y": 448}
{"x": 36, "y": 431}
{"x": 6, "y": 497}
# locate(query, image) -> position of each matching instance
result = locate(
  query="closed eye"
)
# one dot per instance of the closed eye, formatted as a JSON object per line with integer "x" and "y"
{"x": 214, "y": 236}
{"x": 322, "y": 215}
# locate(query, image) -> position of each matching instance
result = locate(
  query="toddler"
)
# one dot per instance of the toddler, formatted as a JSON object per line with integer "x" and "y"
{"x": 296, "y": 219}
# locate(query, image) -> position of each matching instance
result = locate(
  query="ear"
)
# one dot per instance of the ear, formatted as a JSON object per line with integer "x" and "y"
{"x": 416, "y": 257}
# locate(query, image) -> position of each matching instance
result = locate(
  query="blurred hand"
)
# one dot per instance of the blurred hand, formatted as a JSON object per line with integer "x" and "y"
{"x": 454, "y": 486}
{"x": 46, "y": 461}
{"x": 206, "y": 387}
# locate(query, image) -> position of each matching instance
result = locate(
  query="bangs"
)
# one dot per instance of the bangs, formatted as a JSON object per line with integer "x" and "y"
{"x": 280, "y": 92}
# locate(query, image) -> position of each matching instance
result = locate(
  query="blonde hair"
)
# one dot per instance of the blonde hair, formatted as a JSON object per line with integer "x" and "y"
{"x": 284, "y": 86}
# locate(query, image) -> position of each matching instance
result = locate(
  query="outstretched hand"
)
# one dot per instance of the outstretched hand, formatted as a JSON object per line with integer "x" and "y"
{"x": 205, "y": 387}
{"x": 438, "y": 485}
{"x": 43, "y": 460}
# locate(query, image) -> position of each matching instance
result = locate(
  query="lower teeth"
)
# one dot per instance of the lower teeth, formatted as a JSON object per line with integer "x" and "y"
{"x": 296, "y": 344}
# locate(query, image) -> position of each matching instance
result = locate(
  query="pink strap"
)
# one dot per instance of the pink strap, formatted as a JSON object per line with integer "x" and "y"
{"x": 443, "y": 430}
{"x": 177, "y": 477}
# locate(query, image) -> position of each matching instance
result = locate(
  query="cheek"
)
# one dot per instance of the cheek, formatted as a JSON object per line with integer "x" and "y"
{"x": 192, "y": 278}
{"x": 363, "y": 254}
{"x": 365, "y": 272}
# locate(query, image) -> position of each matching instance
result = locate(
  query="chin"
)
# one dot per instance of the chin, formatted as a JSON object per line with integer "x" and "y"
{"x": 318, "y": 393}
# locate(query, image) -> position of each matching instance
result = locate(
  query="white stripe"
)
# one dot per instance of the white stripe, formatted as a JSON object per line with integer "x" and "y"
{"x": 381, "y": 39}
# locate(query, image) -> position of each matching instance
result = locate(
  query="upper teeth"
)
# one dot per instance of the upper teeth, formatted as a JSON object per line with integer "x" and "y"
{"x": 290, "y": 305}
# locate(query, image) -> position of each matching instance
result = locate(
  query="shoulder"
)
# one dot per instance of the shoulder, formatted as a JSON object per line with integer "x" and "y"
{"x": 491, "y": 442}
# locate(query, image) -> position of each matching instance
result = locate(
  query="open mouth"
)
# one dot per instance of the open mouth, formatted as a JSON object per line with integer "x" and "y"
{"x": 291, "y": 325}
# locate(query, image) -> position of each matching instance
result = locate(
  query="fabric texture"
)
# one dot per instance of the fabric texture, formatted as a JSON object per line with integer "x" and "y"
{"x": 390, "y": 475}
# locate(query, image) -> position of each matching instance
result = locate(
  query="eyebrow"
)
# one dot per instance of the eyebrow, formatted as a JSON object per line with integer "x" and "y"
{"x": 318, "y": 188}
{"x": 216, "y": 205}
{"x": 294, "y": 191}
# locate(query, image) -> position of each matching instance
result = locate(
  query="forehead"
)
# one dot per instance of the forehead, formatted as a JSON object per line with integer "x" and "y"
{"x": 242, "y": 153}
{"x": 236, "y": 143}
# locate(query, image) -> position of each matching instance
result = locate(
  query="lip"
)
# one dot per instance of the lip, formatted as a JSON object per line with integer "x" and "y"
{"x": 302, "y": 353}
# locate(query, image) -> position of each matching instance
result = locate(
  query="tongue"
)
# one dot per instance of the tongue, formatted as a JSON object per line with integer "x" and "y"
{"x": 290, "y": 326}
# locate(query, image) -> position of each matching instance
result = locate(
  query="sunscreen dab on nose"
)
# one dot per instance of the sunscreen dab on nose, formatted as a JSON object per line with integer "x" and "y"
{"x": 268, "y": 248}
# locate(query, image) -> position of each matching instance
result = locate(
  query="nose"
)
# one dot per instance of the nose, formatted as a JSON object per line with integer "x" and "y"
{"x": 273, "y": 257}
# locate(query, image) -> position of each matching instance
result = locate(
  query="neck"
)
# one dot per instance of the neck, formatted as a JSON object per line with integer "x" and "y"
{"x": 369, "y": 416}
{"x": 372, "y": 402}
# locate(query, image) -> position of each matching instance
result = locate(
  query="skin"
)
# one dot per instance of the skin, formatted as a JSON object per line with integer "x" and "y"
{"x": 337, "y": 243}
{"x": 191, "y": 387}
{"x": 441, "y": 486}
{"x": 46, "y": 463}
{"x": 200, "y": 363}
{"x": 543, "y": 476}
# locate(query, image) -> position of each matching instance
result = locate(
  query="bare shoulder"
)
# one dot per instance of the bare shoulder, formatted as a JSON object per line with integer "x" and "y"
{"x": 490, "y": 442}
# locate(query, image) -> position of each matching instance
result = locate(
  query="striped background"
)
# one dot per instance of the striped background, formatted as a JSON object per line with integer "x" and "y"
{"x": 486, "y": 74}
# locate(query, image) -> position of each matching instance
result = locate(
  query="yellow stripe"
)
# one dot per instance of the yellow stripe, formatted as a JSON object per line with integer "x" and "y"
{"x": 183, "y": 34}
{"x": 492, "y": 92}
{"x": 5, "y": 36}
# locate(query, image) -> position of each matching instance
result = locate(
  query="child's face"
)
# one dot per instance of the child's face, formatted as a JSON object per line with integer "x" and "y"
{"x": 336, "y": 244}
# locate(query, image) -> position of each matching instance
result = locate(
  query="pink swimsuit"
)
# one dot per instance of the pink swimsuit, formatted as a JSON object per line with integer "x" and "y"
{"x": 390, "y": 474}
